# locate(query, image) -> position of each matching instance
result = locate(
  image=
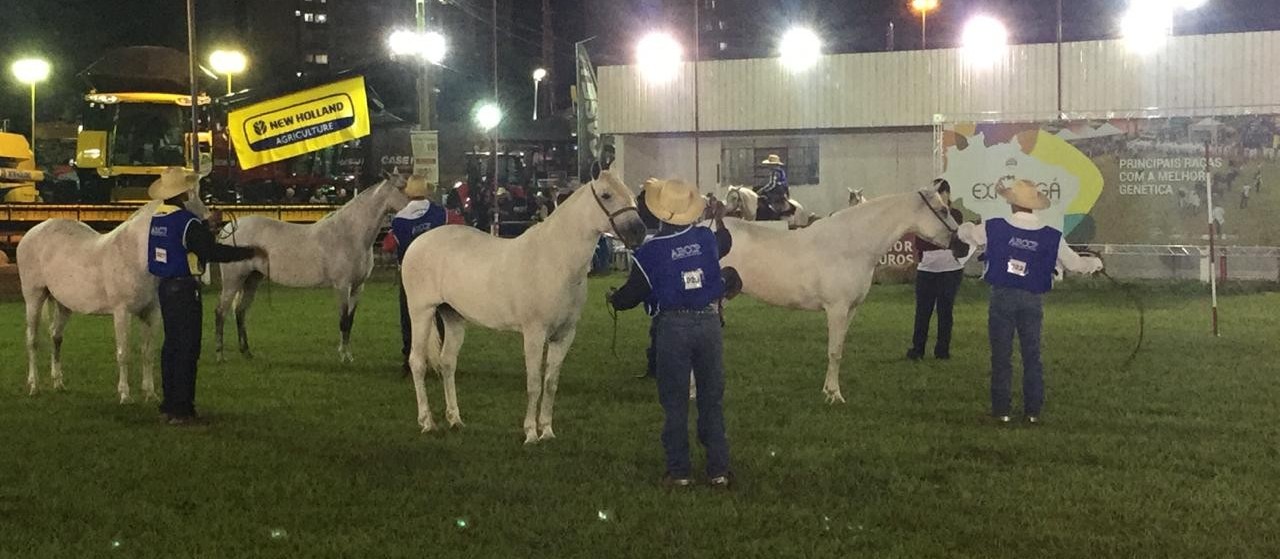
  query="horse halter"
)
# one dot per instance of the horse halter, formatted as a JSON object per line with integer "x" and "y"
{"x": 934, "y": 211}
{"x": 613, "y": 224}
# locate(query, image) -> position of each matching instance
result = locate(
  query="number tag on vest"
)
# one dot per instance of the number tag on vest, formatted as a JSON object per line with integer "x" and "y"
{"x": 162, "y": 256}
{"x": 1017, "y": 267}
{"x": 693, "y": 279}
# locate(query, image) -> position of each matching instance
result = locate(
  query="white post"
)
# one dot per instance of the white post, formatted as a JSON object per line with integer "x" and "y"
{"x": 1213, "y": 232}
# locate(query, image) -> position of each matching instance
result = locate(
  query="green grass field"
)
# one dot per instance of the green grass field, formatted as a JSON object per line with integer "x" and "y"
{"x": 304, "y": 457}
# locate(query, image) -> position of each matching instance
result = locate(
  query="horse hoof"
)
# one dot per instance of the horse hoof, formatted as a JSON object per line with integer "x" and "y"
{"x": 125, "y": 399}
{"x": 547, "y": 434}
{"x": 835, "y": 398}
{"x": 530, "y": 438}
{"x": 150, "y": 396}
{"x": 456, "y": 425}
{"x": 32, "y": 390}
{"x": 428, "y": 427}
{"x": 219, "y": 357}
{"x": 246, "y": 353}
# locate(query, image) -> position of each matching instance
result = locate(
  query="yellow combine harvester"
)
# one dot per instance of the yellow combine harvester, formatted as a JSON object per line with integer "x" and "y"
{"x": 18, "y": 174}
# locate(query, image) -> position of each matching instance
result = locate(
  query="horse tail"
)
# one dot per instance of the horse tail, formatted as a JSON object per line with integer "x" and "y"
{"x": 436, "y": 334}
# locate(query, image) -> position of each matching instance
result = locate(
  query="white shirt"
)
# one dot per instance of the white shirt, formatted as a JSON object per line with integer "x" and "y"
{"x": 976, "y": 235}
{"x": 414, "y": 209}
{"x": 941, "y": 260}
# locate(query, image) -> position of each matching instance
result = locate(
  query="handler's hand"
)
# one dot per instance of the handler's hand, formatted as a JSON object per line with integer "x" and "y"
{"x": 1094, "y": 264}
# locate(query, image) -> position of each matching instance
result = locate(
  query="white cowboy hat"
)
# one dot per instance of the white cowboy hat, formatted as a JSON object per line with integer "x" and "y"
{"x": 773, "y": 159}
{"x": 674, "y": 201}
{"x": 1024, "y": 194}
{"x": 418, "y": 187}
{"x": 172, "y": 182}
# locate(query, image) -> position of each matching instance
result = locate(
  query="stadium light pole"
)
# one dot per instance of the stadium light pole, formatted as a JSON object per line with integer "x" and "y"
{"x": 487, "y": 118}
{"x": 228, "y": 63}
{"x": 538, "y": 76}
{"x": 923, "y": 7}
{"x": 29, "y": 72}
{"x": 429, "y": 48}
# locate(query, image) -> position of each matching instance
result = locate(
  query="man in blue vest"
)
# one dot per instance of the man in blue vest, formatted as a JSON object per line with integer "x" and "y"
{"x": 677, "y": 276}
{"x": 776, "y": 192}
{"x": 417, "y": 217}
{"x": 179, "y": 245}
{"x": 1021, "y": 256}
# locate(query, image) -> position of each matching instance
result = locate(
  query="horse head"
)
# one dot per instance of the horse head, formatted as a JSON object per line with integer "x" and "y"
{"x": 619, "y": 207}
{"x": 931, "y": 218}
{"x": 741, "y": 202}
{"x": 392, "y": 192}
{"x": 856, "y": 197}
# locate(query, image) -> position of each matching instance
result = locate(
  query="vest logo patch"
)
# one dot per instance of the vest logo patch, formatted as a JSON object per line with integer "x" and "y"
{"x": 162, "y": 256}
{"x": 693, "y": 278}
{"x": 1024, "y": 244}
{"x": 686, "y": 251}
{"x": 420, "y": 229}
{"x": 159, "y": 231}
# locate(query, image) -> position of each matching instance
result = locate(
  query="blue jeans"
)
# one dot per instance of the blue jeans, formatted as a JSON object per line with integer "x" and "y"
{"x": 1015, "y": 310}
{"x": 687, "y": 341}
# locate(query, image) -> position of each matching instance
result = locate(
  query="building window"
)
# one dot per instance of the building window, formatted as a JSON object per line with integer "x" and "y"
{"x": 322, "y": 18}
{"x": 322, "y": 58}
{"x": 741, "y": 165}
{"x": 297, "y": 13}
{"x": 308, "y": 17}
{"x": 724, "y": 46}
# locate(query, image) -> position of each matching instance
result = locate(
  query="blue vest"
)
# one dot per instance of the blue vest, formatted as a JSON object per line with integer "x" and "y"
{"x": 683, "y": 270}
{"x": 416, "y": 218}
{"x": 1019, "y": 258}
{"x": 167, "y": 254}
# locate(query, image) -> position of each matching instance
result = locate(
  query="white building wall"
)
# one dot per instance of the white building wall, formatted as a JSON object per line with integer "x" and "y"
{"x": 1199, "y": 74}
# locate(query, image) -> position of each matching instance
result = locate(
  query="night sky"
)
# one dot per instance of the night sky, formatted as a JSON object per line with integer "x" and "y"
{"x": 72, "y": 33}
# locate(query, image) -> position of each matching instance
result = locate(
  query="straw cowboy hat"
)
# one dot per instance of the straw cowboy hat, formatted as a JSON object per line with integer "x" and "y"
{"x": 172, "y": 182}
{"x": 1024, "y": 194}
{"x": 773, "y": 159}
{"x": 674, "y": 201}
{"x": 418, "y": 187}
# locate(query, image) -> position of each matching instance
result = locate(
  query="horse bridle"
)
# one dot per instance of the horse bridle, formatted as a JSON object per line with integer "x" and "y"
{"x": 932, "y": 210}
{"x": 613, "y": 223}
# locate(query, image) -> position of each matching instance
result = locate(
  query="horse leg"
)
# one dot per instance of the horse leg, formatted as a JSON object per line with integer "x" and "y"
{"x": 557, "y": 348}
{"x": 247, "y": 292}
{"x": 35, "y": 305}
{"x": 58, "y": 325}
{"x": 535, "y": 343}
{"x": 148, "y": 333}
{"x": 838, "y": 317}
{"x": 345, "y": 309}
{"x": 347, "y": 320}
{"x": 419, "y": 353}
{"x": 231, "y": 285}
{"x": 455, "y": 329}
{"x": 121, "y": 320}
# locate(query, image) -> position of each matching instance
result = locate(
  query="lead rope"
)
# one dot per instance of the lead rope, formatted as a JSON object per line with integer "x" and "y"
{"x": 613, "y": 313}
{"x": 1128, "y": 290}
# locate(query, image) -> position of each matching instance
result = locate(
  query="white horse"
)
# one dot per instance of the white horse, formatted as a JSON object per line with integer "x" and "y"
{"x": 742, "y": 202}
{"x": 68, "y": 266}
{"x": 829, "y": 266}
{"x": 535, "y": 284}
{"x": 336, "y": 251}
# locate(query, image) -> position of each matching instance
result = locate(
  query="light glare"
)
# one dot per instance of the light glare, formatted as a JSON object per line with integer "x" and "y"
{"x": 31, "y": 70}
{"x": 984, "y": 39}
{"x": 227, "y": 61}
{"x": 539, "y": 74}
{"x": 1146, "y": 25}
{"x": 488, "y": 116}
{"x": 658, "y": 55}
{"x": 800, "y": 49}
{"x": 430, "y": 46}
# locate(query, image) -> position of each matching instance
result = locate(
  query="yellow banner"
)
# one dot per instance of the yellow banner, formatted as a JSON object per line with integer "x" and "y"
{"x": 299, "y": 123}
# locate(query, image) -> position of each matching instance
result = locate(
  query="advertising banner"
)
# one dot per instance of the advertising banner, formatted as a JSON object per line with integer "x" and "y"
{"x": 589, "y": 146}
{"x": 426, "y": 154}
{"x": 1127, "y": 181}
{"x": 299, "y": 123}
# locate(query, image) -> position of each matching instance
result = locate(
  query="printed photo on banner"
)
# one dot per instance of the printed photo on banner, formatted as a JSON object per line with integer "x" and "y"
{"x": 1127, "y": 181}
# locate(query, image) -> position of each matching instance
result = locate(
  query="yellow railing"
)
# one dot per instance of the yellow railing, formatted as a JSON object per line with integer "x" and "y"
{"x": 20, "y": 215}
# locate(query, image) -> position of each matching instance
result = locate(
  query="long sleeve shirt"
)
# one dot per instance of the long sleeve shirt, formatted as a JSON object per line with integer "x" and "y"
{"x": 976, "y": 235}
{"x": 637, "y": 288}
{"x": 202, "y": 243}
